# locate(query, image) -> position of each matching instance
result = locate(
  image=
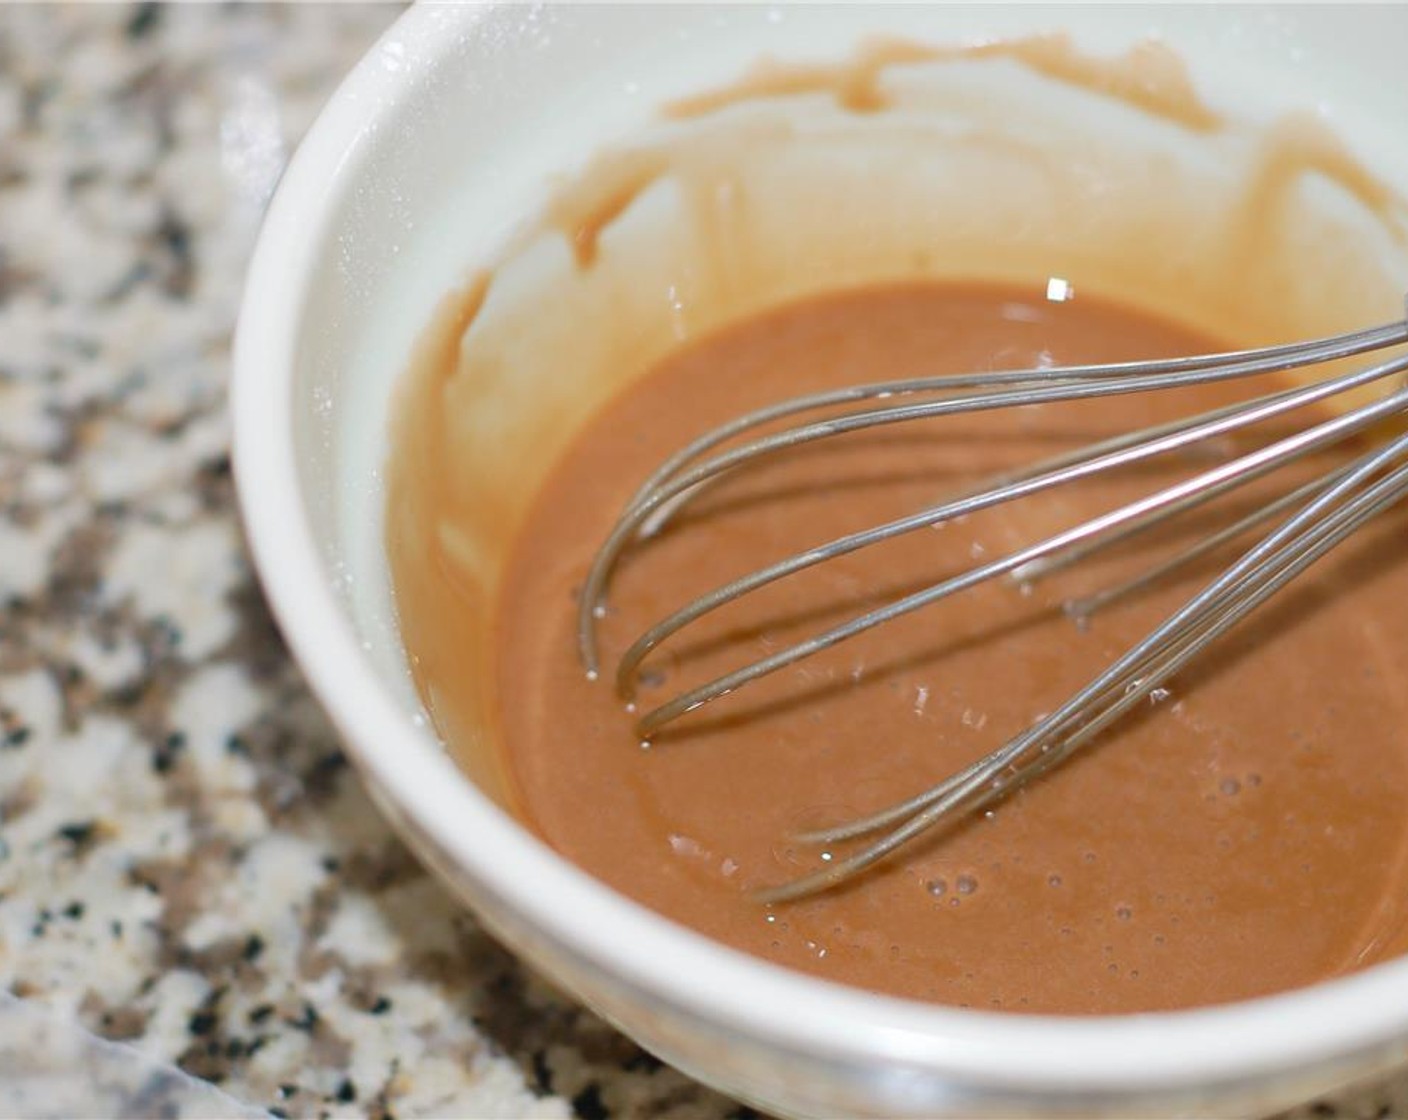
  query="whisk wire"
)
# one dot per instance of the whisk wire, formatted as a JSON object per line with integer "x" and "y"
{"x": 1218, "y": 479}
{"x": 1069, "y": 468}
{"x": 1259, "y": 575}
{"x": 1084, "y": 608}
{"x": 1023, "y": 388}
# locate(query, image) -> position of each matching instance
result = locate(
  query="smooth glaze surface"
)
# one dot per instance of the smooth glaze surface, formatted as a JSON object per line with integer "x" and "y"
{"x": 1246, "y": 836}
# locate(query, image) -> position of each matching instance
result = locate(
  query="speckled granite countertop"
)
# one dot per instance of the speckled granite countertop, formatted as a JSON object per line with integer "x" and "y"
{"x": 187, "y": 867}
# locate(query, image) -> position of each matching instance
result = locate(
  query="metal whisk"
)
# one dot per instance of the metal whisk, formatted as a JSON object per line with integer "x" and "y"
{"x": 1314, "y": 518}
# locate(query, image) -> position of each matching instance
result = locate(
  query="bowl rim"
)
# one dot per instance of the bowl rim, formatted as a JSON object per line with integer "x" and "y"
{"x": 665, "y": 962}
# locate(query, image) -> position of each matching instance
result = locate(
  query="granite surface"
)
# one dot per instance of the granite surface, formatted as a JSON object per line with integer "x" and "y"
{"x": 200, "y": 911}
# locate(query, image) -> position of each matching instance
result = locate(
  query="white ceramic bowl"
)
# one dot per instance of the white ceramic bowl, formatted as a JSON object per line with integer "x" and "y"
{"x": 431, "y": 153}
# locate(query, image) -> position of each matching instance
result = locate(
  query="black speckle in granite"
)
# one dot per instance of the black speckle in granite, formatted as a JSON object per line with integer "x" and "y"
{"x": 642, "y": 1061}
{"x": 145, "y": 19}
{"x": 279, "y": 1113}
{"x": 588, "y": 1105}
{"x": 253, "y": 947}
{"x": 380, "y": 1006}
{"x": 542, "y": 1072}
{"x": 167, "y": 632}
{"x": 236, "y": 745}
{"x": 261, "y": 1013}
{"x": 324, "y": 772}
{"x": 115, "y": 926}
{"x": 286, "y": 1090}
{"x": 346, "y": 1092}
{"x": 138, "y": 878}
{"x": 202, "y": 1023}
{"x": 178, "y": 263}
{"x": 79, "y": 835}
{"x": 307, "y": 1021}
{"x": 74, "y": 910}
{"x": 16, "y": 737}
{"x": 214, "y": 487}
{"x": 164, "y": 756}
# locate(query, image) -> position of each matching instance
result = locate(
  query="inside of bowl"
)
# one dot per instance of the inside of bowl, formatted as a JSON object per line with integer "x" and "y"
{"x": 976, "y": 168}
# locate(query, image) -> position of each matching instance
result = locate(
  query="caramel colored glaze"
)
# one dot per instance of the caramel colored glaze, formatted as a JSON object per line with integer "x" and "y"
{"x": 1246, "y": 835}
{"x": 601, "y": 196}
{"x": 1149, "y": 76}
{"x": 442, "y": 653}
{"x": 1301, "y": 144}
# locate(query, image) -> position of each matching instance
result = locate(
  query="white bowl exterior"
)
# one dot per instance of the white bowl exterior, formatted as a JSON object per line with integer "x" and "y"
{"x": 434, "y": 149}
